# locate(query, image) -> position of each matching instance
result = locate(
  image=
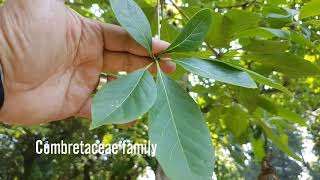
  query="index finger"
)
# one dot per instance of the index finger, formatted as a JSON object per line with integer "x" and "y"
{"x": 117, "y": 39}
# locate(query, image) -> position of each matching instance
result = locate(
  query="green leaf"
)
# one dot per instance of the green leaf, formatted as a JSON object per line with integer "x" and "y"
{"x": 236, "y": 120}
{"x": 300, "y": 39}
{"x": 283, "y": 136}
{"x": 269, "y": 33}
{"x": 266, "y": 46}
{"x": 132, "y": 18}
{"x": 218, "y": 35}
{"x": 314, "y": 23}
{"x": 310, "y": 9}
{"x": 251, "y": 99}
{"x": 286, "y": 63}
{"x": 218, "y": 71}
{"x": 269, "y": 82}
{"x": 168, "y": 31}
{"x": 277, "y": 2}
{"x": 225, "y": 28}
{"x": 193, "y": 34}
{"x": 124, "y": 99}
{"x": 279, "y": 122}
{"x": 200, "y": 89}
{"x": 185, "y": 150}
{"x": 179, "y": 74}
{"x": 280, "y": 111}
{"x": 248, "y": 98}
{"x": 255, "y": 32}
{"x": 146, "y": 3}
{"x": 257, "y": 146}
{"x": 240, "y": 20}
{"x": 150, "y": 9}
{"x": 276, "y": 17}
{"x": 291, "y": 12}
{"x": 290, "y": 116}
{"x": 278, "y": 141}
{"x": 277, "y": 32}
{"x": 152, "y": 14}
{"x": 263, "y": 80}
{"x": 191, "y": 11}
{"x": 198, "y": 55}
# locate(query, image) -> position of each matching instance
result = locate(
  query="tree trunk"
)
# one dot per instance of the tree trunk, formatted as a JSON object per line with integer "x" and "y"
{"x": 267, "y": 172}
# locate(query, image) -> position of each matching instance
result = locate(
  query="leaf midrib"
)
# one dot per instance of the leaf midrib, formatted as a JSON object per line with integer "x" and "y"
{"x": 198, "y": 69}
{"x": 143, "y": 35}
{"x": 239, "y": 84}
{"x": 172, "y": 118}
{"x": 145, "y": 38}
{"x": 138, "y": 81}
{"x": 200, "y": 22}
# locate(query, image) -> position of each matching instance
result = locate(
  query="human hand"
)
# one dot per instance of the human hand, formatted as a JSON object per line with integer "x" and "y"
{"x": 52, "y": 59}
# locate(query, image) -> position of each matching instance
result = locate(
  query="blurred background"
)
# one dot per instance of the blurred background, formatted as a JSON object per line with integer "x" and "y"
{"x": 244, "y": 150}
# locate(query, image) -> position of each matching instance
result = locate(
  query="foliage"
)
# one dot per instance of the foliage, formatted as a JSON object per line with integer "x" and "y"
{"x": 184, "y": 144}
{"x": 274, "y": 43}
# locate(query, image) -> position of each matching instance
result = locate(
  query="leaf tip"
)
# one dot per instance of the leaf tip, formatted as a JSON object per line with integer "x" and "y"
{"x": 253, "y": 85}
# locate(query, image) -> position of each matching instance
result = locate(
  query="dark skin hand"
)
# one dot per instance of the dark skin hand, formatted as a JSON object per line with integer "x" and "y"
{"x": 52, "y": 59}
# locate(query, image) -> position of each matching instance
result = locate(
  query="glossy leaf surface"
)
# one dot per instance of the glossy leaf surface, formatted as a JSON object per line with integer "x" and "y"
{"x": 218, "y": 71}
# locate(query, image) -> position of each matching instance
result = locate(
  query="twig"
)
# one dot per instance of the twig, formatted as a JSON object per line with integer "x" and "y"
{"x": 216, "y": 54}
{"x": 180, "y": 10}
